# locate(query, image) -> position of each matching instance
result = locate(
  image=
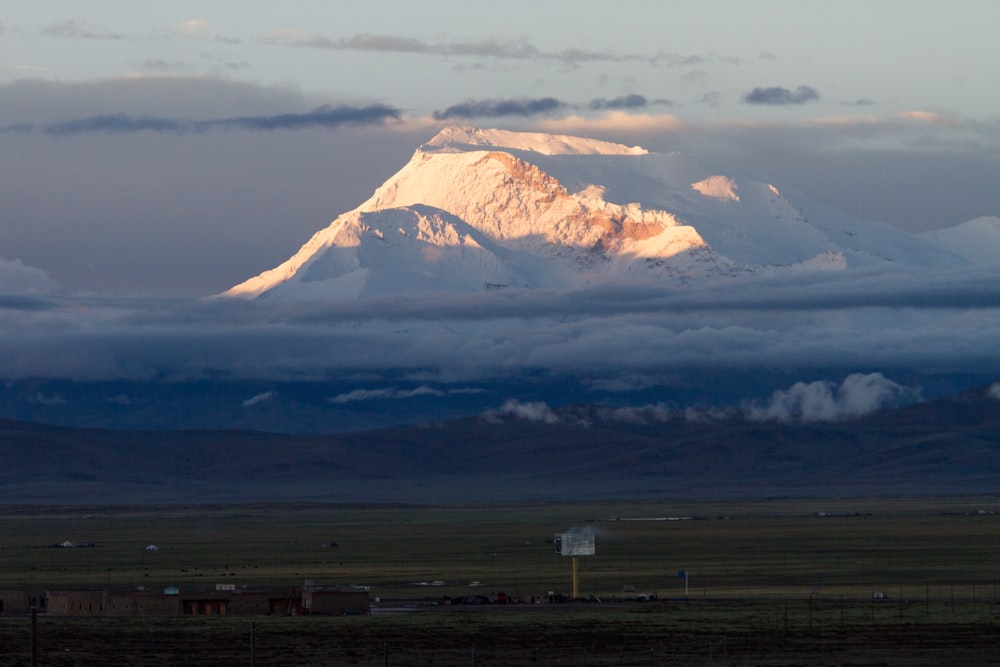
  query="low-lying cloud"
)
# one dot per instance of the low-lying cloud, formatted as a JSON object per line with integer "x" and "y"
{"x": 18, "y": 278}
{"x": 607, "y": 336}
{"x": 858, "y": 395}
{"x": 534, "y": 411}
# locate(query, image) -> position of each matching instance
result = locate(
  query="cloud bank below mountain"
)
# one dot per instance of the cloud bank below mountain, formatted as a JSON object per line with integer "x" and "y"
{"x": 607, "y": 335}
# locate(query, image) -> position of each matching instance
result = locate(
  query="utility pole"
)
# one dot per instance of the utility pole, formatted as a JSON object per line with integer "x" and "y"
{"x": 493, "y": 568}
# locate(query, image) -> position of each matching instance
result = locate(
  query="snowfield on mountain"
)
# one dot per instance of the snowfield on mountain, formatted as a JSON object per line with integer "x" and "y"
{"x": 491, "y": 209}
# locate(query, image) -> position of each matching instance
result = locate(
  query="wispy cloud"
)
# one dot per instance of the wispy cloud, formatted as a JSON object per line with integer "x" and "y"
{"x": 929, "y": 117}
{"x": 778, "y": 96}
{"x": 323, "y": 117}
{"x": 47, "y": 399}
{"x": 632, "y": 101}
{"x": 192, "y": 27}
{"x": 390, "y": 393}
{"x": 78, "y": 29}
{"x": 503, "y": 49}
{"x": 259, "y": 398}
{"x": 498, "y": 108}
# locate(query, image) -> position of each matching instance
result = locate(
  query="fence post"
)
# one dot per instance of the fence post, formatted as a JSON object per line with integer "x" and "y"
{"x": 34, "y": 634}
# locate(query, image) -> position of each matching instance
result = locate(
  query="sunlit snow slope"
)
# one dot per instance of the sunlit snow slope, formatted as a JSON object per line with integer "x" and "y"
{"x": 488, "y": 209}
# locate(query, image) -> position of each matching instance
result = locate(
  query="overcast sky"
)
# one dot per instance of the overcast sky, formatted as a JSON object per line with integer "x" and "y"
{"x": 177, "y": 149}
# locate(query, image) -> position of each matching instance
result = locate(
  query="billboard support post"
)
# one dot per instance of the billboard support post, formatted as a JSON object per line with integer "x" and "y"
{"x": 575, "y": 543}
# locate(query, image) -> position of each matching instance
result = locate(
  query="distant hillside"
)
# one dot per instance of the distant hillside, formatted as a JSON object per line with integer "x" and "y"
{"x": 940, "y": 447}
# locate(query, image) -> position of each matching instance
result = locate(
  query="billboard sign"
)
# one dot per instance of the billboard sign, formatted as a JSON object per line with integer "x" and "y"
{"x": 575, "y": 543}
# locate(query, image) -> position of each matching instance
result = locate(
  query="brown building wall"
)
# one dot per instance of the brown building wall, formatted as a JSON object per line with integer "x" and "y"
{"x": 336, "y": 602}
{"x": 249, "y": 604}
{"x": 142, "y": 603}
{"x": 208, "y": 603}
{"x": 14, "y": 602}
{"x": 77, "y": 603}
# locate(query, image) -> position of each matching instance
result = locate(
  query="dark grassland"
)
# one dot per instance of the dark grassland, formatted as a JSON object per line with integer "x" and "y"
{"x": 772, "y": 582}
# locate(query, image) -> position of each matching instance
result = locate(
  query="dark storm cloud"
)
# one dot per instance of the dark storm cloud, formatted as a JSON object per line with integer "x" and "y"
{"x": 323, "y": 117}
{"x": 497, "y": 108}
{"x": 778, "y": 96}
{"x": 632, "y": 101}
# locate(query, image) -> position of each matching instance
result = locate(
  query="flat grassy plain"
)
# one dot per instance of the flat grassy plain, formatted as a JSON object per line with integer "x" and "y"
{"x": 769, "y": 582}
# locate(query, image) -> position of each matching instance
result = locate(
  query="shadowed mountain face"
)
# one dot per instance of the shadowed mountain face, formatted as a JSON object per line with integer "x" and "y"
{"x": 939, "y": 447}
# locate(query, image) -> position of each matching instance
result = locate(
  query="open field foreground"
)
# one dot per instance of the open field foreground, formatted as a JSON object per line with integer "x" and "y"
{"x": 777, "y": 582}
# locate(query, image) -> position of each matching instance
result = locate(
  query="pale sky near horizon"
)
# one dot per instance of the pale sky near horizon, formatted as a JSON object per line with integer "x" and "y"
{"x": 173, "y": 148}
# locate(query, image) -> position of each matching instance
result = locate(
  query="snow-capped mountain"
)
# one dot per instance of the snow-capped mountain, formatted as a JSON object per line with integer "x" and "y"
{"x": 486, "y": 209}
{"x": 977, "y": 240}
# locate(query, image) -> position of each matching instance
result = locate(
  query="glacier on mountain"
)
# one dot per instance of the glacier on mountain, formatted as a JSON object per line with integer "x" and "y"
{"x": 478, "y": 209}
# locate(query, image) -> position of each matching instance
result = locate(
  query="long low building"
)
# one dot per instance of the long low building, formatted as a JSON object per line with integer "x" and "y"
{"x": 224, "y": 601}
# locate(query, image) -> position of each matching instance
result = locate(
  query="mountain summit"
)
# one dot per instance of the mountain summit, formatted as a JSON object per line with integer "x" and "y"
{"x": 478, "y": 209}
